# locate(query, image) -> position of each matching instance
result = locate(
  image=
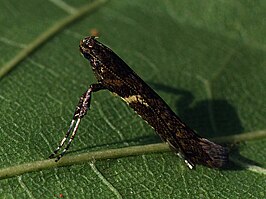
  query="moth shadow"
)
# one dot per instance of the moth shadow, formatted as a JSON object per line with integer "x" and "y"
{"x": 210, "y": 118}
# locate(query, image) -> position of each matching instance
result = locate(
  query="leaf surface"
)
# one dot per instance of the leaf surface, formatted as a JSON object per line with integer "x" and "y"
{"x": 205, "y": 59}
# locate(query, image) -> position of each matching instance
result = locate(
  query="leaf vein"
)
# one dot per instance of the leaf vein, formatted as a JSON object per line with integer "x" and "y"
{"x": 25, "y": 187}
{"x": 48, "y": 34}
{"x": 105, "y": 181}
{"x": 64, "y": 6}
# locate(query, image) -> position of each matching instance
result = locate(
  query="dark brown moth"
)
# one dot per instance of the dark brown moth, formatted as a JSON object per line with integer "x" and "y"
{"x": 116, "y": 76}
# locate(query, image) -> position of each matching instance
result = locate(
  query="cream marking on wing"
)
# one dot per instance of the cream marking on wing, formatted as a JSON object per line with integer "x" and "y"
{"x": 135, "y": 98}
{"x": 105, "y": 181}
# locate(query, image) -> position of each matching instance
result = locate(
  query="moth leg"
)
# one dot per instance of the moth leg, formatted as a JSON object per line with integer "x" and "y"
{"x": 80, "y": 112}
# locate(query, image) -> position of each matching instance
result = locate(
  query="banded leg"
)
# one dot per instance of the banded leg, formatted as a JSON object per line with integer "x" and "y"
{"x": 80, "y": 112}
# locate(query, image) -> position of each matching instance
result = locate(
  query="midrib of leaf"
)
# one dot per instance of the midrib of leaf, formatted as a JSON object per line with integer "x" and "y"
{"x": 125, "y": 152}
{"x": 48, "y": 34}
{"x": 242, "y": 137}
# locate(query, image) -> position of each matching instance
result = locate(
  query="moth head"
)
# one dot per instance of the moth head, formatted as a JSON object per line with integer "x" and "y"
{"x": 96, "y": 52}
{"x": 87, "y": 45}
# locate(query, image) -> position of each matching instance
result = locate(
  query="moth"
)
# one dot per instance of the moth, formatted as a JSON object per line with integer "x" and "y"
{"x": 115, "y": 75}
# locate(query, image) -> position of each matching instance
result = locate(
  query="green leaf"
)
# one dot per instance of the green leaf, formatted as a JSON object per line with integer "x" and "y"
{"x": 206, "y": 59}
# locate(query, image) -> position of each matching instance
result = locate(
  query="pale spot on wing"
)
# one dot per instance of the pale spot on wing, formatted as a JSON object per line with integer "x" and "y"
{"x": 135, "y": 98}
